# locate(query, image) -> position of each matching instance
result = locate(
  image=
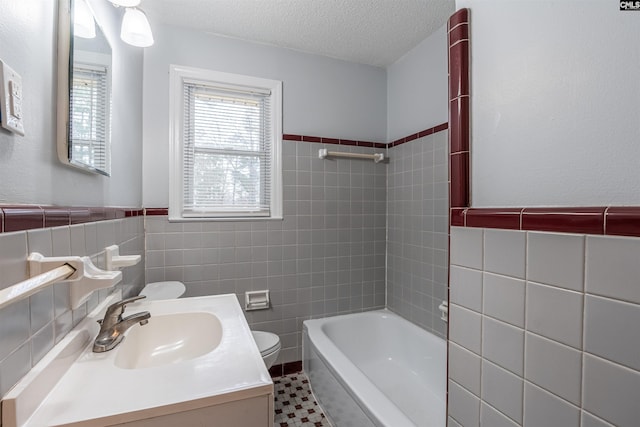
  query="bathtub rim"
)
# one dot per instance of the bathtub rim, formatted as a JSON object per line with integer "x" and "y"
{"x": 380, "y": 409}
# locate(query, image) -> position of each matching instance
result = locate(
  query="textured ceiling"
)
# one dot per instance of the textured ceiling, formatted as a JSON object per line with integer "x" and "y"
{"x": 374, "y": 32}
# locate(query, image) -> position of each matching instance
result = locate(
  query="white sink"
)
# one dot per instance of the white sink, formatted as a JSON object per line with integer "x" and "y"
{"x": 194, "y": 354}
{"x": 170, "y": 338}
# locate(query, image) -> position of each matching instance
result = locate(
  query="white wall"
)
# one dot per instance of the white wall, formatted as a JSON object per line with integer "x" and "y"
{"x": 29, "y": 169}
{"x": 322, "y": 96}
{"x": 417, "y": 88}
{"x": 555, "y": 103}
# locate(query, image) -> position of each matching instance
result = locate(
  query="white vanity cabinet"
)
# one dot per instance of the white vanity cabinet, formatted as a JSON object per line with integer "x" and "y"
{"x": 251, "y": 412}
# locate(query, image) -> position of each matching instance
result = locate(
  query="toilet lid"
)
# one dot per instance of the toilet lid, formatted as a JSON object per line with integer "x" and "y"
{"x": 163, "y": 290}
{"x": 267, "y": 342}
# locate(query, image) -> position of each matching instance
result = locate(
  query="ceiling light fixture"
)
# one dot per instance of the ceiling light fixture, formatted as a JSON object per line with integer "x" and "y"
{"x": 83, "y": 23}
{"x": 136, "y": 30}
{"x": 125, "y": 3}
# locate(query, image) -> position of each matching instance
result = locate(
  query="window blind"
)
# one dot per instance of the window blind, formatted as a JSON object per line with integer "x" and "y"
{"x": 227, "y": 147}
{"x": 89, "y": 110}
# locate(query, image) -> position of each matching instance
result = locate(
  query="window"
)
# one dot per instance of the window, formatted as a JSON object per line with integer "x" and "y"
{"x": 90, "y": 108}
{"x": 225, "y": 146}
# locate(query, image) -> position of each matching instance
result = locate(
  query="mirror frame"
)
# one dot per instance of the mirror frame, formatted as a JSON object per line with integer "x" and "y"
{"x": 63, "y": 102}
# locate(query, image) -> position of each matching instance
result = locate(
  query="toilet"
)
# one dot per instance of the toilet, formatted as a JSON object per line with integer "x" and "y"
{"x": 269, "y": 346}
{"x": 163, "y": 290}
{"x": 268, "y": 343}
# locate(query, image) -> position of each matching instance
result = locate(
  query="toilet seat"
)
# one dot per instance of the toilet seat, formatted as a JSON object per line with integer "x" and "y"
{"x": 163, "y": 290}
{"x": 268, "y": 343}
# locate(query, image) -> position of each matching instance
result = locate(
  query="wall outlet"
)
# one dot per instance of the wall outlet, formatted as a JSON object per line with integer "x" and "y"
{"x": 11, "y": 97}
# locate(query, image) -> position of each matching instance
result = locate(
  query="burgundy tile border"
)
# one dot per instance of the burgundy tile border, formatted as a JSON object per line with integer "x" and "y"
{"x": 460, "y": 17}
{"x": 508, "y": 218}
{"x": 567, "y": 220}
{"x": 133, "y": 212}
{"x": 19, "y": 218}
{"x": 285, "y": 369}
{"x": 623, "y": 221}
{"x": 459, "y": 115}
{"x": 55, "y": 217}
{"x": 275, "y": 371}
{"x": 156, "y": 211}
{"x": 459, "y": 186}
{"x": 417, "y": 135}
{"x": 368, "y": 144}
{"x": 291, "y": 137}
{"x": 79, "y": 215}
{"x": 459, "y": 139}
{"x": 457, "y": 216}
{"x": 599, "y": 220}
{"x": 458, "y": 33}
{"x": 334, "y": 141}
{"x": 459, "y": 69}
{"x": 291, "y": 367}
{"x": 311, "y": 138}
{"x": 28, "y": 217}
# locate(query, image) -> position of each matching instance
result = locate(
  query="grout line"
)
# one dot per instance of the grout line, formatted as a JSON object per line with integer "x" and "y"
{"x": 584, "y": 317}
{"x": 525, "y": 323}
{"x": 458, "y": 42}
{"x": 459, "y": 24}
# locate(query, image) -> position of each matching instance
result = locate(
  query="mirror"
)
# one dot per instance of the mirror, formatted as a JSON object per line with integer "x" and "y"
{"x": 84, "y": 89}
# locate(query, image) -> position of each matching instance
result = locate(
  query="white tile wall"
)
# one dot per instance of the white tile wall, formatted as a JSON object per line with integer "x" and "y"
{"x": 504, "y": 252}
{"x": 464, "y": 366}
{"x": 554, "y": 366}
{"x": 556, "y": 259}
{"x": 466, "y": 288}
{"x": 611, "y": 391}
{"x": 555, "y": 313}
{"x": 31, "y": 327}
{"x": 467, "y": 247}
{"x": 612, "y": 330}
{"x": 503, "y": 298}
{"x": 613, "y": 267}
{"x": 576, "y": 307}
{"x": 589, "y": 420}
{"x": 464, "y": 407}
{"x": 503, "y": 344}
{"x": 545, "y": 409}
{"x": 502, "y": 390}
{"x": 465, "y": 328}
{"x": 494, "y": 418}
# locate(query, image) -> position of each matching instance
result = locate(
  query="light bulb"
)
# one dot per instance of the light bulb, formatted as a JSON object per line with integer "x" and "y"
{"x": 83, "y": 23}
{"x": 136, "y": 30}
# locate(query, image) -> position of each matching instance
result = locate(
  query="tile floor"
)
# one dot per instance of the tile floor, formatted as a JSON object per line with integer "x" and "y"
{"x": 295, "y": 406}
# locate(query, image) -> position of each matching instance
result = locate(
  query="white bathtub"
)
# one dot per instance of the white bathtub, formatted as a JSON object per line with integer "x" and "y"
{"x": 376, "y": 369}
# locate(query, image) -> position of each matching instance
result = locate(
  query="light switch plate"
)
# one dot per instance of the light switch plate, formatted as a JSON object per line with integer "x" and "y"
{"x": 11, "y": 97}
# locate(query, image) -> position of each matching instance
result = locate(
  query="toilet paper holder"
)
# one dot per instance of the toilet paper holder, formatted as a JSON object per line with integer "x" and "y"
{"x": 256, "y": 300}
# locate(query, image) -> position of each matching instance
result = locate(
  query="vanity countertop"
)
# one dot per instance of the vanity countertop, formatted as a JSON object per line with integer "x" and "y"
{"x": 74, "y": 386}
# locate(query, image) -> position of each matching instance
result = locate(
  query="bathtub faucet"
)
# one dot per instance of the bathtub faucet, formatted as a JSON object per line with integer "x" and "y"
{"x": 113, "y": 326}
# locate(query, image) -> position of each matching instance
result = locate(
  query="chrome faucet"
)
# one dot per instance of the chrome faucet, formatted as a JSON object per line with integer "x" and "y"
{"x": 113, "y": 326}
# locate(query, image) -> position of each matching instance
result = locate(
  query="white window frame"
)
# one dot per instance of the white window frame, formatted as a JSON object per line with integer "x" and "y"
{"x": 177, "y": 76}
{"x": 100, "y": 62}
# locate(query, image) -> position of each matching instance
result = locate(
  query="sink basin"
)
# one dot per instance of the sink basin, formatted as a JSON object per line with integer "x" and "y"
{"x": 168, "y": 339}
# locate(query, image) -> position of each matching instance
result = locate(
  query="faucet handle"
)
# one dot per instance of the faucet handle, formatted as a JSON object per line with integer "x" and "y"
{"x": 132, "y": 299}
{"x": 116, "y": 309}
